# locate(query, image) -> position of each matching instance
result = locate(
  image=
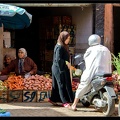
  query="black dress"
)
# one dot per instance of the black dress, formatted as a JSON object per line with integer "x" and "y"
{"x": 61, "y": 82}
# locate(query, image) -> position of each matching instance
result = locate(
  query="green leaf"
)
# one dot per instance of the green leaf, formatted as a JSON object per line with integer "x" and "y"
{"x": 116, "y": 62}
{"x": 2, "y": 111}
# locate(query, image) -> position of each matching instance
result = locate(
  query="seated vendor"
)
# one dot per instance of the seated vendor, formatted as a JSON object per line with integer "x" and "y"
{"x": 7, "y": 60}
{"x": 22, "y": 65}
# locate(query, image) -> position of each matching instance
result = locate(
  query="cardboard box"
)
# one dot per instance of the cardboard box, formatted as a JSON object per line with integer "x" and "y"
{"x": 29, "y": 95}
{"x": 7, "y": 39}
{"x": 42, "y": 95}
{"x": 15, "y": 96}
{"x": 3, "y": 96}
{"x": 10, "y": 51}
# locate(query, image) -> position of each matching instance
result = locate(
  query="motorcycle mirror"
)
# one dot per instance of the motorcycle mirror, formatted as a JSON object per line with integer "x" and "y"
{"x": 77, "y": 56}
{"x": 80, "y": 63}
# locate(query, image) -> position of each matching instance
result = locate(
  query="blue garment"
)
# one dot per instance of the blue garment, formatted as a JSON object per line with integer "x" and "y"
{"x": 20, "y": 66}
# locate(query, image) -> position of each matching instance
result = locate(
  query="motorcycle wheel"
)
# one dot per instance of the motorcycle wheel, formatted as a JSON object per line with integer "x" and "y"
{"x": 85, "y": 103}
{"x": 118, "y": 105}
{"x": 109, "y": 109}
{"x": 119, "y": 108}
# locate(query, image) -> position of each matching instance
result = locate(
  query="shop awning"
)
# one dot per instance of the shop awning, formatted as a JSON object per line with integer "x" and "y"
{"x": 52, "y": 4}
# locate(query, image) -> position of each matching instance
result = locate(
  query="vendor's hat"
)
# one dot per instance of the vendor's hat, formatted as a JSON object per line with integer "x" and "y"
{"x": 94, "y": 39}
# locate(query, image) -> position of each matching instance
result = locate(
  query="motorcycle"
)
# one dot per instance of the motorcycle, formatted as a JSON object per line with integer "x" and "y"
{"x": 102, "y": 94}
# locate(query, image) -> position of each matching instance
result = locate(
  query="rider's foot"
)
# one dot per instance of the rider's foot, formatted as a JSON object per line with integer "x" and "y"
{"x": 72, "y": 108}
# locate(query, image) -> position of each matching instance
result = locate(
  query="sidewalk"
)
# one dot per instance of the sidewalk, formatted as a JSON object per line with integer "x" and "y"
{"x": 44, "y": 109}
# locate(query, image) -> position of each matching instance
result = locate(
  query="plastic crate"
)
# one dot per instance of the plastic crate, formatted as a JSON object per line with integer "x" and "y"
{"x": 5, "y": 114}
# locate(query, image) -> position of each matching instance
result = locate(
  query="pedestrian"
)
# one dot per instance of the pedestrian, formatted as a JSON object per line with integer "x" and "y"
{"x": 61, "y": 81}
{"x": 97, "y": 60}
{"x": 22, "y": 65}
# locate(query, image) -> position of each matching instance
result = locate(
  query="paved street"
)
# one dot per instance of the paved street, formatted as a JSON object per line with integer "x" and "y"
{"x": 46, "y": 109}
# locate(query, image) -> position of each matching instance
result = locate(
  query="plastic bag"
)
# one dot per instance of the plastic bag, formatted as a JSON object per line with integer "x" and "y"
{"x": 27, "y": 75}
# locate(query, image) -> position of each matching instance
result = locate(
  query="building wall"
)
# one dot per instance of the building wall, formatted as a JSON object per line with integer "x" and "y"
{"x": 109, "y": 27}
{"x": 99, "y": 21}
{"x": 1, "y": 48}
{"x": 84, "y": 26}
{"x": 83, "y": 18}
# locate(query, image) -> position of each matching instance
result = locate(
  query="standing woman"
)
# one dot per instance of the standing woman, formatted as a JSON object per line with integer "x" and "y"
{"x": 61, "y": 81}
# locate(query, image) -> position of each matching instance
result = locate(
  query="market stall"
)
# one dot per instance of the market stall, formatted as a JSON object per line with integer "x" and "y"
{"x": 35, "y": 88}
{"x": 48, "y": 28}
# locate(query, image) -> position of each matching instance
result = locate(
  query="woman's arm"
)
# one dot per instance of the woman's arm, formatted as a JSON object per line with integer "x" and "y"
{"x": 34, "y": 67}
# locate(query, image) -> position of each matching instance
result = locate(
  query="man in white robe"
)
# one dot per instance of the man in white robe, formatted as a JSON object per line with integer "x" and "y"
{"x": 97, "y": 60}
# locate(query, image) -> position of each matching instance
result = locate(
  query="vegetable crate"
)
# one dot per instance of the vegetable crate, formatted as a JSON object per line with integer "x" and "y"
{"x": 15, "y": 96}
{"x": 3, "y": 96}
{"x": 35, "y": 96}
{"x": 25, "y": 95}
{"x": 29, "y": 96}
{"x": 42, "y": 95}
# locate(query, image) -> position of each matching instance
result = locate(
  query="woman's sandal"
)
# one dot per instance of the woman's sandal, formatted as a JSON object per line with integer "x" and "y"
{"x": 54, "y": 103}
{"x": 66, "y": 105}
{"x": 71, "y": 108}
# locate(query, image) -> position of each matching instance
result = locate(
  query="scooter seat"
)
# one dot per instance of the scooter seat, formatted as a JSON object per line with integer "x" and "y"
{"x": 104, "y": 74}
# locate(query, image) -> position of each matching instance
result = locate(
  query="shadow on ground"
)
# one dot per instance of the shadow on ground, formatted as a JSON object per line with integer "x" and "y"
{"x": 46, "y": 109}
{"x": 34, "y": 112}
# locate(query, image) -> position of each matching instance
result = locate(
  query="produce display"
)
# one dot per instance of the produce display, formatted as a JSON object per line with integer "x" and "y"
{"x": 2, "y": 85}
{"x": 116, "y": 73}
{"x": 116, "y": 78}
{"x": 14, "y": 82}
{"x": 38, "y": 82}
{"x": 34, "y": 82}
{"x": 75, "y": 85}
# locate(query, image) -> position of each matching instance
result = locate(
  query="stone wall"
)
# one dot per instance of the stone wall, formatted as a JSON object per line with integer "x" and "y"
{"x": 99, "y": 20}
{"x": 1, "y": 48}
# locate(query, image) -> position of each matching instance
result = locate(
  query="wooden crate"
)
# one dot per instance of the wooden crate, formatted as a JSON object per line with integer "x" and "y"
{"x": 42, "y": 95}
{"x": 3, "y": 96}
{"x": 15, "y": 96}
{"x": 29, "y": 95}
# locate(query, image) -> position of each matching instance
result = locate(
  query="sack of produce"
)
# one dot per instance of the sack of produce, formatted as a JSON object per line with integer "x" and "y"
{"x": 78, "y": 72}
